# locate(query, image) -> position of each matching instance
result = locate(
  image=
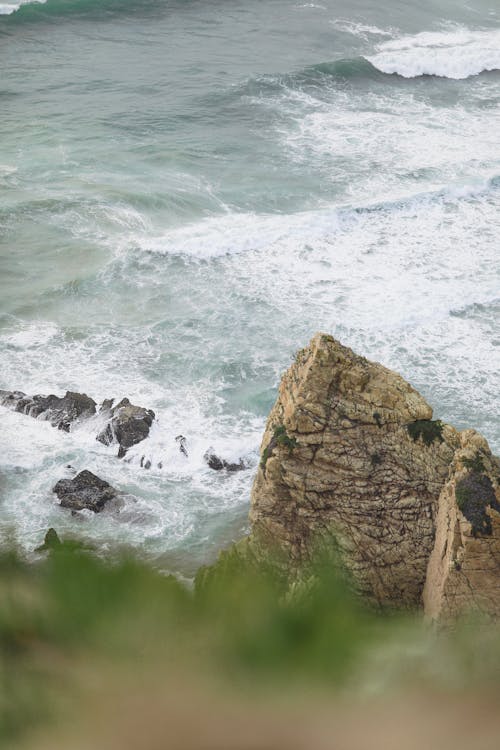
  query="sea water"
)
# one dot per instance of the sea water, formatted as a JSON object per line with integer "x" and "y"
{"x": 190, "y": 189}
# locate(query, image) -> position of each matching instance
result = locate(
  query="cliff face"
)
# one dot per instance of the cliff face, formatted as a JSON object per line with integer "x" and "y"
{"x": 464, "y": 567}
{"x": 351, "y": 453}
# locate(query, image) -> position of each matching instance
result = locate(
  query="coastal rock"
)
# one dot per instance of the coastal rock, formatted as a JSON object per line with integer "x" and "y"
{"x": 351, "y": 454}
{"x": 409, "y": 506}
{"x": 61, "y": 412}
{"x": 127, "y": 425}
{"x": 182, "y": 443}
{"x": 85, "y": 491}
{"x": 464, "y": 568}
{"x": 218, "y": 464}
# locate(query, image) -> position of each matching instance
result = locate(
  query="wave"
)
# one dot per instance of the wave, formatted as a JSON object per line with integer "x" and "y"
{"x": 240, "y": 233}
{"x": 6, "y": 9}
{"x": 457, "y": 54}
{"x": 20, "y": 10}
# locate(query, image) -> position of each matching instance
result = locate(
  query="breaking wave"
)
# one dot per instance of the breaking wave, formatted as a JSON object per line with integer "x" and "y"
{"x": 456, "y": 54}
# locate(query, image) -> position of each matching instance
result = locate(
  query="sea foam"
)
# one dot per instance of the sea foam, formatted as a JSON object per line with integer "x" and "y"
{"x": 457, "y": 54}
{"x": 6, "y": 9}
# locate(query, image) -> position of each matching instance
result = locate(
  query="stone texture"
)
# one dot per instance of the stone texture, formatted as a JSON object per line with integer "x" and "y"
{"x": 350, "y": 453}
{"x": 61, "y": 412}
{"x": 412, "y": 507}
{"x": 464, "y": 568}
{"x": 85, "y": 491}
{"x": 128, "y": 424}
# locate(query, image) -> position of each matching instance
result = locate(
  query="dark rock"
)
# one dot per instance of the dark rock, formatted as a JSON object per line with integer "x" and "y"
{"x": 181, "y": 440}
{"x": 128, "y": 424}
{"x": 51, "y": 541}
{"x": 85, "y": 491}
{"x": 217, "y": 464}
{"x": 61, "y": 412}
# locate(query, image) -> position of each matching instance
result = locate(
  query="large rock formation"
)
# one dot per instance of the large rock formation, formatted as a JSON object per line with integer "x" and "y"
{"x": 351, "y": 454}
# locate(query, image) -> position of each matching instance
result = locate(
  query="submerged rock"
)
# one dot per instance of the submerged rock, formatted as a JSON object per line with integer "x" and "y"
{"x": 85, "y": 491}
{"x": 352, "y": 457}
{"x": 127, "y": 426}
{"x": 218, "y": 464}
{"x": 61, "y": 412}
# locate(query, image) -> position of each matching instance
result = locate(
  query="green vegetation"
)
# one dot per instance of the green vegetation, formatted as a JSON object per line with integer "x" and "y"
{"x": 239, "y": 623}
{"x": 73, "y": 623}
{"x": 473, "y": 494}
{"x": 426, "y": 429}
{"x": 475, "y": 464}
{"x": 280, "y": 437}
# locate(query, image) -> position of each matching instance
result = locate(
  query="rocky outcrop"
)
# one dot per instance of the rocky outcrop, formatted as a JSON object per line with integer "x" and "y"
{"x": 351, "y": 455}
{"x": 61, "y": 412}
{"x": 86, "y": 491}
{"x": 127, "y": 424}
{"x": 217, "y": 463}
{"x": 464, "y": 568}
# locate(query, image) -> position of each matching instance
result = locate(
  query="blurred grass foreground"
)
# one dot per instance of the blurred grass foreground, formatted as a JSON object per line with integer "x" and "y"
{"x": 97, "y": 654}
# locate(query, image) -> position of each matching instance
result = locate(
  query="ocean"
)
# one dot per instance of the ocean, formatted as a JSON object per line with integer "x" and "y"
{"x": 190, "y": 189}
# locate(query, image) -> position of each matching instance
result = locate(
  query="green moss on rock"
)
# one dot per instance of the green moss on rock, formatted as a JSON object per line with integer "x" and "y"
{"x": 280, "y": 437}
{"x": 426, "y": 429}
{"x": 473, "y": 494}
{"x": 475, "y": 464}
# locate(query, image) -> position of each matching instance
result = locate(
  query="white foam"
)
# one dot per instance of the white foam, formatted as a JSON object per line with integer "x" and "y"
{"x": 29, "y": 335}
{"x": 363, "y": 30}
{"x": 458, "y": 53}
{"x": 371, "y": 141}
{"x": 6, "y": 9}
{"x": 231, "y": 234}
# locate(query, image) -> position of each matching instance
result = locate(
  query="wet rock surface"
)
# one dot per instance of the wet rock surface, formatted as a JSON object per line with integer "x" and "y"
{"x": 86, "y": 491}
{"x": 61, "y": 412}
{"x": 128, "y": 424}
{"x": 218, "y": 464}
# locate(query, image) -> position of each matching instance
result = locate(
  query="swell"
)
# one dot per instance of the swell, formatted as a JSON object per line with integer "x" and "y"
{"x": 377, "y": 68}
{"x": 38, "y": 10}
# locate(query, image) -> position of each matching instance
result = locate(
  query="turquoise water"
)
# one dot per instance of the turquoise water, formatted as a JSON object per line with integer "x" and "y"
{"x": 189, "y": 190}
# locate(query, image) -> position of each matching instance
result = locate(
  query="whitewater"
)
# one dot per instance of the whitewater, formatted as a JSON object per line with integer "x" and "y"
{"x": 188, "y": 191}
